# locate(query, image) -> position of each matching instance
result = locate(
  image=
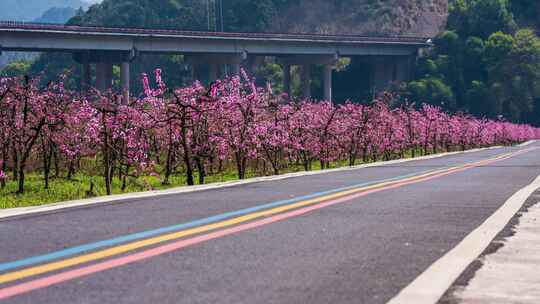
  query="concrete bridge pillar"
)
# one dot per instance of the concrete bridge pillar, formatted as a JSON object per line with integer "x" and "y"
{"x": 235, "y": 69}
{"x": 306, "y": 81}
{"x": 287, "y": 79}
{"x": 104, "y": 61}
{"x": 306, "y": 62}
{"x": 215, "y": 61}
{"x": 388, "y": 70}
{"x": 85, "y": 77}
{"x": 100, "y": 76}
{"x": 213, "y": 72}
{"x": 124, "y": 80}
{"x": 108, "y": 75}
{"x": 104, "y": 75}
{"x": 404, "y": 68}
{"x": 327, "y": 79}
{"x": 383, "y": 73}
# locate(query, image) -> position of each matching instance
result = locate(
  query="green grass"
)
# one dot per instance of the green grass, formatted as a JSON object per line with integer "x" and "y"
{"x": 61, "y": 189}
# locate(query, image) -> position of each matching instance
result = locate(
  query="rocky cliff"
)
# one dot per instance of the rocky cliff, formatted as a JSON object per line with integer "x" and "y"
{"x": 404, "y": 17}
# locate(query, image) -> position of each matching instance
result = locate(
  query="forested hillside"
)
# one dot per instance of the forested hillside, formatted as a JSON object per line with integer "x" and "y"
{"x": 486, "y": 62}
{"x": 321, "y": 16}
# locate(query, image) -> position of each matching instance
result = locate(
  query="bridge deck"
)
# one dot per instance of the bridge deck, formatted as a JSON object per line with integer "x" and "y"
{"x": 9, "y": 26}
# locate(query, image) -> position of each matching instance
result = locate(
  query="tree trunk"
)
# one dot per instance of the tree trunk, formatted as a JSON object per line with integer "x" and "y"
{"x": 71, "y": 170}
{"x": 15, "y": 165}
{"x": 200, "y": 168}
{"x": 352, "y": 158}
{"x": 240, "y": 165}
{"x": 47, "y": 162}
{"x": 124, "y": 178}
{"x": 365, "y": 155}
{"x": 275, "y": 166}
{"x": 56, "y": 164}
{"x": 189, "y": 167}
{"x": 20, "y": 177}
{"x": 4, "y": 167}
{"x": 46, "y": 168}
{"x": 168, "y": 168}
{"x": 107, "y": 167}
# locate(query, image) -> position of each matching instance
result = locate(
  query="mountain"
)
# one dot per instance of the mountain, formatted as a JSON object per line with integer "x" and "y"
{"x": 413, "y": 17}
{"x": 405, "y": 17}
{"x": 30, "y": 10}
{"x": 57, "y": 15}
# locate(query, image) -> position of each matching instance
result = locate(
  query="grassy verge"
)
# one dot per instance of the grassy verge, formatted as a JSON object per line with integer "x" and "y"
{"x": 61, "y": 189}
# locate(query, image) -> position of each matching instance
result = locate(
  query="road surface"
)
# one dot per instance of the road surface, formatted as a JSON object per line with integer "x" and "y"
{"x": 356, "y": 236}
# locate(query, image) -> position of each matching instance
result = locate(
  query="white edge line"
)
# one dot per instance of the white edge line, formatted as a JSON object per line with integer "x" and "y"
{"x": 526, "y": 143}
{"x": 6, "y": 213}
{"x": 431, "y": 285}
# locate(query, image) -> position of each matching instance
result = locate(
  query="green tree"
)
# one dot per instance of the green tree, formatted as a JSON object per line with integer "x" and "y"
{"x": 498, "y": 46}
{"x": 527, "y": 12}
{"x": 16, "y": 68}
{"x": 433, "y": 91}
{"x": 480, "y": 17}
{"x": 514, "y": 72}
{"x": 251, "y": 16}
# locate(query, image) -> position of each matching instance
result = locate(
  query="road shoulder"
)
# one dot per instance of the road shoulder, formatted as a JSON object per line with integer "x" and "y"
{"x": 430, "y": 286}
{"x": 507, "y": 271}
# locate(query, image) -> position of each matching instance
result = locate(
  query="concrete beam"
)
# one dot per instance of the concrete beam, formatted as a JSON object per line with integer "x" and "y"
{"x": 42, "y": 41}
{"x": 220, "y": 59}
{"x": 308, "y": 59}
{"x": 216, "y": 62}
{"x": 102, "y": 56}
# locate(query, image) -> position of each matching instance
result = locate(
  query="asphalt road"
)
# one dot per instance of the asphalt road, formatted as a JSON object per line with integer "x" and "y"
{"x": 362, "y": 243}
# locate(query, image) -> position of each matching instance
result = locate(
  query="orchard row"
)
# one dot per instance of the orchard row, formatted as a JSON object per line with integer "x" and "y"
{"x": 232, "y": 124}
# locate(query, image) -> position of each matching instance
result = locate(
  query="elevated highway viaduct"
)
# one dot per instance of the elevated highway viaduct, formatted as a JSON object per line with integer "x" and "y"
{"x": 392, "y": 58}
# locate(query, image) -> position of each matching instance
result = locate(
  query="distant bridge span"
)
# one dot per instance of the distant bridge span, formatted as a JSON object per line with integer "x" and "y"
{"x": 108, "y": 46}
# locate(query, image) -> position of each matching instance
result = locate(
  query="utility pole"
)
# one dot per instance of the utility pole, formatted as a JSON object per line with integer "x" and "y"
{"x": 219, "y": 15}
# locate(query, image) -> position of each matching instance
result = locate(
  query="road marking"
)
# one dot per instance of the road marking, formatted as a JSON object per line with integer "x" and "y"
{"x": 527, "y": 143}
{"x": 149, "y": 233}
{"x": 431, "y": 285}
{"x": 17, "y": 275}
{"x": 55, "y": 207}
{"x": 271, "y": 217}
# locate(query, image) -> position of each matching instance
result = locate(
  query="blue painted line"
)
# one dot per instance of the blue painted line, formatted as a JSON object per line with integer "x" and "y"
{"x": 149, "y": 233}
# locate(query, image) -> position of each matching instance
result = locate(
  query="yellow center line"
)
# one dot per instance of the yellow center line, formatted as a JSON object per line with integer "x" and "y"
{"x": 32, "y": 271}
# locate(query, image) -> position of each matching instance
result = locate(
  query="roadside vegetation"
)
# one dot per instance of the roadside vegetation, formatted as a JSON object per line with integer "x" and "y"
{"x": 486, "y": 62}
{"x": 57, "y": 144}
